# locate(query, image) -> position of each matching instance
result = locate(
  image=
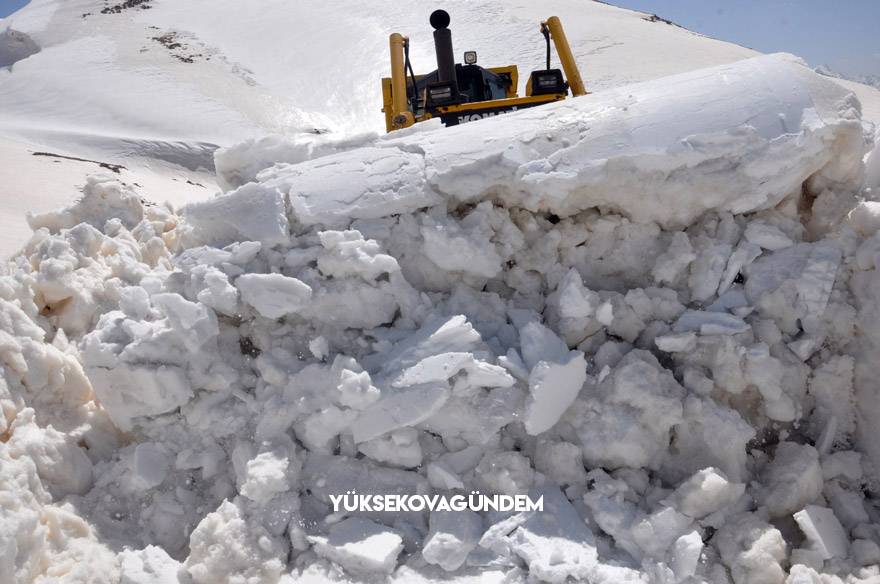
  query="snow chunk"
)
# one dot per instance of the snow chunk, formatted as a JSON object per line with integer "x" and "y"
{"x": 539, "y": 343}
{"x": 367, "y": 183}
{"x": 253, "y": 212}
{"x": 767, "y": 236}
{"x": 707, "y": 270}
{"x": 553, "y": 387}
{"x": 447, "y": 365}
{"x": 454, "y": 249}
{"x": 436, "y": 337}
{"x": 792, "y": 479}
{"x": 562, "y": 462}
{"x": 752, "y": 549}
{"x": 151, "y": 565}
{"x": 356, "y": 389}
{"x": 360, "y": 545}
{"x": 273, "y": 295}
{"x": 824, "y": 532}
{"x": 803, "y": 273}
{"x": 266, "y": 476}
{"x": 671, "y": 263}
{"x": 677, "y": 343}
{"x": 575, "y": 299}
{"x": 712, "y": 435}
{"x": 104, "y": 198}
{"x": 741, "y": 258}
{"x": 144, "y": 362}
{"x": 555, "y": 380}
{"x": 556, "y": 544}
{"x": 847, "y": 463}
{"x": 440, "y": 476}
{"x": 865, "y": 217}
{"x": 227, "y": 546}
{"x": 685, "y": 554}
{"x": 131, "y": 392}
{"x": 507, "y": 473}
{"x": 452, "y": 536}
{"x": 150, "y": 464}
{"x": 629, "y": 422}
{"x": 704, "y": 493}
{"x": 399, "y": 408}
{"x": 347, "y": 253}
{"x": 865, "y": 551}
{"x": 656, "y": 532}
{"x": 62, "y": 465}
{"x": 399, "y": 448}
{"x": 319, "y": 347}
{"x": 710, "y": 323}
{"x": 351, "y": 303}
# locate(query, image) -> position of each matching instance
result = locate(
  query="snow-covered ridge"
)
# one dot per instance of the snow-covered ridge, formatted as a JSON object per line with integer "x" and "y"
{"x": 684, "y": 371}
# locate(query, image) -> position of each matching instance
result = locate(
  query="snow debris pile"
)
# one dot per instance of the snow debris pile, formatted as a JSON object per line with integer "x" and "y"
{"x": 673, "y": 346}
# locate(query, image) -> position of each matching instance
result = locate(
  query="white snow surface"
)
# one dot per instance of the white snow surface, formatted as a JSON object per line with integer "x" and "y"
{"x": 157, "y": 86}
{"x": 656, "y": 307}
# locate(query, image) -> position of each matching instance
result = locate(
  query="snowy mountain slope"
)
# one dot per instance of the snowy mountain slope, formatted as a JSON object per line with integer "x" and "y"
{"x": 161, "y": 79}
{"x": 282, "y": 67}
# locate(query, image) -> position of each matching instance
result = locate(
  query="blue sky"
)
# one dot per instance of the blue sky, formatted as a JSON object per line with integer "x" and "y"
{"x": 844, "y": 34}
{"x": 7, "y": 7}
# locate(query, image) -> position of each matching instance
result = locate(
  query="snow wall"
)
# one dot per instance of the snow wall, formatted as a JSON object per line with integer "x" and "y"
{"x": 736, "y": 138}
{"x": 656, "y": 307}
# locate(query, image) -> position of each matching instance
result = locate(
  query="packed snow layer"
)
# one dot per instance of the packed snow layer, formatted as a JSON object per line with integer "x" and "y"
{"x": 735, "y": 138}
{"x": 687, "y": 379}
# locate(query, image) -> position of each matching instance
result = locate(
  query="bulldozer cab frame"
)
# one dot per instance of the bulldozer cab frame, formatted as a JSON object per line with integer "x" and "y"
{"x": 458, "y": 93}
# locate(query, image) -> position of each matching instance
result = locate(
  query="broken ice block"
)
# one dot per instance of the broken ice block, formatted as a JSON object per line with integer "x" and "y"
{"x": 824, "y": 532}
{"x": 399, "y": 408}
{"x": 360, "y": 545}
{"x": 553, "y": 387}
{"x": 705, "y": 492}
{"x": 273, "y": 295}
{"x": 253, "y": 212}
{"x": 556, "y": 544}
{"x": 452, "y": 536}
{"x": 710, "y": 323}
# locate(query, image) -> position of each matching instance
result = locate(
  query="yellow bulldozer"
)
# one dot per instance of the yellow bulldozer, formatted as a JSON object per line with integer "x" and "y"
{"x": 460, "y": 93}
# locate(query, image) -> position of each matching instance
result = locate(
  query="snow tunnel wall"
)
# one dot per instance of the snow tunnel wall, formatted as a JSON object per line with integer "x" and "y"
{"x": 737, "y": 137}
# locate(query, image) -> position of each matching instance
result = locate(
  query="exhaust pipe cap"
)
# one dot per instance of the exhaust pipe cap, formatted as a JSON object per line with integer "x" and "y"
{"x": 439, "y": 19}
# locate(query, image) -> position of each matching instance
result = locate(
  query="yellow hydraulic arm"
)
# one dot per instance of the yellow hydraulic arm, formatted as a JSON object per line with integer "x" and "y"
{"x": 397, "y": 114}
{"x": 572, "y": 74}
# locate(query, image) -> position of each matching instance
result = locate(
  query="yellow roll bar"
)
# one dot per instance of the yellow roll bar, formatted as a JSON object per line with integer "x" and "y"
{"x": 400, "y": 117}
{"x": 565, "y": 56}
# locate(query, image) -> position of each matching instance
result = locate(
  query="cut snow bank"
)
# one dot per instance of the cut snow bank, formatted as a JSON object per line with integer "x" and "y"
{"x": 736, "y": 138}
{"x": 570, "y": 303}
